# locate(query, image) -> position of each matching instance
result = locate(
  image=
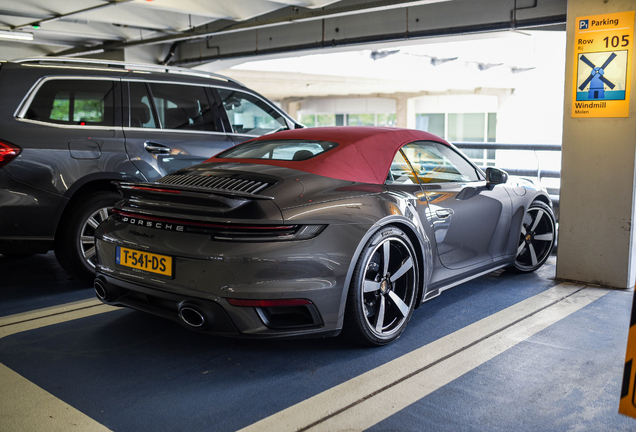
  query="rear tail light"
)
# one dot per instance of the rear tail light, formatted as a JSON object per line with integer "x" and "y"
{"x": 265, "y": 233}
{"x": 223, "y": 232}
{"x": 8, "y": 152}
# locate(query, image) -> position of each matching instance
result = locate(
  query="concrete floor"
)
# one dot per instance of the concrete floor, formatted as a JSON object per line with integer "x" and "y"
{"x": 503, "y": 352}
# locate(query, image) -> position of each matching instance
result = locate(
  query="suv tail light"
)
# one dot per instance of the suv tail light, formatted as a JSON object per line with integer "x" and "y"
{"x": 7, "y": 152}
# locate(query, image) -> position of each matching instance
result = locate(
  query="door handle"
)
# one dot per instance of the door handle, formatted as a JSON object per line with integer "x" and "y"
{"x": 443, "y": 213}
{"x": 153, "y": 147}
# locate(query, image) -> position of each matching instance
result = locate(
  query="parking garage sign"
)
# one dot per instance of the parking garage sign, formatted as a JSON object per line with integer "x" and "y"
{"x": 603, "y": 65}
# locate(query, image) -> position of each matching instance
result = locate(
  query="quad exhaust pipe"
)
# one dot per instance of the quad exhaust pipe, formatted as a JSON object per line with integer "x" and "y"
{"x": 100, "y": 290}
{"x": 192, "y": 316}
{"x": 105, "y": 291}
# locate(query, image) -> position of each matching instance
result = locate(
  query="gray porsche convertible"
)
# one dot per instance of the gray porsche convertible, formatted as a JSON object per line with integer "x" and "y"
{"x": 314, "y": 232}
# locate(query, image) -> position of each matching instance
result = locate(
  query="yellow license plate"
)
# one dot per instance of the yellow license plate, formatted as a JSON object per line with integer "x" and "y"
{"x": 147, "y": 261}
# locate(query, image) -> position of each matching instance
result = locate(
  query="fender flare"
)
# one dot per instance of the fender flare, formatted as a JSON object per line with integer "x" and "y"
{"x": 421, "y": 242}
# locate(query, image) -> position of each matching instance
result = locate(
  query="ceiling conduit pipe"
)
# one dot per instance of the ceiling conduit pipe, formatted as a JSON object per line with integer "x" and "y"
{"x": 68, "y": 14}
{"x": 171, "y": 51}
{"x": 201, "y": 33}
{"x": 513, "y": 12}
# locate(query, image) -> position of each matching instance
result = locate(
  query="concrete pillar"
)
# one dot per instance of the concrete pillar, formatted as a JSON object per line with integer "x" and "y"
{"x": 405, "y": 111}
{"x": 596, "y": 239}
{"x": 401, "y": 111}
{"x": 410, "y": 113}
{"x": 291, "y": 107}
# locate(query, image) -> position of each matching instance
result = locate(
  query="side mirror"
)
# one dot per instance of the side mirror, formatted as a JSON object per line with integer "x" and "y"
{"x": 495, "y": 176}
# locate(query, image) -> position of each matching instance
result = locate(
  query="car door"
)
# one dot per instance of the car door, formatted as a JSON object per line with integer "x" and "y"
{"x": 171, "y": 126}
{"x": 247, "y": 116}
{"x": 74, "y": 132}
{"x": 470, "y": 219}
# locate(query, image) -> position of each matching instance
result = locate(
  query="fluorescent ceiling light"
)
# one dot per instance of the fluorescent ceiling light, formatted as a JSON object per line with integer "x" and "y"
{"x": 16, "y": 35}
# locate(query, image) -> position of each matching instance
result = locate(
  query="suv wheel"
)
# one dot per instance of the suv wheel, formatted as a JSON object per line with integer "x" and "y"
{"x": 75, "y": 238}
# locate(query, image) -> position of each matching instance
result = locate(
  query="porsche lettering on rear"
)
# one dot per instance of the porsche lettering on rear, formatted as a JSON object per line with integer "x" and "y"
{"x": 151, "y": 224}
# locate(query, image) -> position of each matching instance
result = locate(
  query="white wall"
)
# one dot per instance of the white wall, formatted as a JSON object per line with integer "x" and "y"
{"x": 467, "y": 103}
{"x": 347, "y": 106}
{"x": 534, "y": 112}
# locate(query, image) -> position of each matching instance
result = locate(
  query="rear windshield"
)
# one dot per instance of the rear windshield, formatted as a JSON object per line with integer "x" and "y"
{"x": 288, "y": 150}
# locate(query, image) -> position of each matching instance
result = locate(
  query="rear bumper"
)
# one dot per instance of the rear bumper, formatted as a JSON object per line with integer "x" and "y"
{"x": 216, "y": 317}
{"x": 120, "y": 293}
{"x": 208, "y": 272}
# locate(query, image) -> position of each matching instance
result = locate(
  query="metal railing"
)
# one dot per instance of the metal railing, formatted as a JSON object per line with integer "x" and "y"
{"x": 537, "y": 173}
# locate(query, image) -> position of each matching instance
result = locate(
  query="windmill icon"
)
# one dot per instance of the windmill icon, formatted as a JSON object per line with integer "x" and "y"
{"x": 596, "y": 80}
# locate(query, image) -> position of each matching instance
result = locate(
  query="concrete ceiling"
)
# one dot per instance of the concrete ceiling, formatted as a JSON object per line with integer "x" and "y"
{"x": 194, "y": 32}
{"x": 63, "y": 26}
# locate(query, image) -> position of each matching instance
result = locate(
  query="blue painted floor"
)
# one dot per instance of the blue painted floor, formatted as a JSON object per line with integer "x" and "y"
{"x": 35, "y": 282}
{"x": 131, "y": 371}
{"x": 566, "y": 378}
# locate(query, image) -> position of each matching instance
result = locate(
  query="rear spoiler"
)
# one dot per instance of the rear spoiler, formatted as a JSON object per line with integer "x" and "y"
{"x": 189, "y": 190}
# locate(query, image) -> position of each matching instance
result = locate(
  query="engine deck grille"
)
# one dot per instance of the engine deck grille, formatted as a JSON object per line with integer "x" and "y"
{"x": 215, "y": 182}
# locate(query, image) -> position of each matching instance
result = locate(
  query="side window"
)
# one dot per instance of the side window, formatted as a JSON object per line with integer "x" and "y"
{"x": 249, "y": 115}
{"x": 183, "y": 107}
{"x": 437, "y": 163}
{"x": 75, "y": 102}
{"x": 401, "y": 172}
{"x": 141, "y": 112}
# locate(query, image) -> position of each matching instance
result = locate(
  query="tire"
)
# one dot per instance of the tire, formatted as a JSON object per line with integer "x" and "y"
{"x": 536, "y": 239}
{"x": 74, "y": 240}
{"x": 379, "y": 304}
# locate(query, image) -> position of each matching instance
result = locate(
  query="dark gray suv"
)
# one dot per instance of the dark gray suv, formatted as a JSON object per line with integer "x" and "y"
{"x": 70, "y": 127}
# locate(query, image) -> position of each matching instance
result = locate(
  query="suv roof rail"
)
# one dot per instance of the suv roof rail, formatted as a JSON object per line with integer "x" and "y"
{"x": 147, "y": 67}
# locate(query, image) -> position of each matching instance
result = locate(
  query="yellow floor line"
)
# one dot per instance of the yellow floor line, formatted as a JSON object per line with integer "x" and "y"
{"x": 53, "y": 310}
{"x": 368, "y": 399}
{"x": 49, "y": 316}
{"x": 25, "y": 407}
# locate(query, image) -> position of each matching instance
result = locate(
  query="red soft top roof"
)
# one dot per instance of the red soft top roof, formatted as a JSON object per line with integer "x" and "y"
{"x": 364, "y": 153}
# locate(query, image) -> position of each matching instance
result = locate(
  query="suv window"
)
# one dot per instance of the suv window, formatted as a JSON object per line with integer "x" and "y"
{"x": 250, "y": 115}
{"x": 171, "y": 106}
{"x": 141, "y": 113}
{"x": 437, "y": 163}
{"x": 75, "y": 102}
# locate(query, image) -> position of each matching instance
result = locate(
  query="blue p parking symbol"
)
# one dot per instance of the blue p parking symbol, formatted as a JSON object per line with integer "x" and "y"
{"x": 584, "y": 24}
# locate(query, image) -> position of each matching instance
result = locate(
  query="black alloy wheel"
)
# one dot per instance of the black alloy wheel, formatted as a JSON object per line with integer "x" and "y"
{"x": 75, "y": 240}
{"x": 536, "y": 240}
{"x": 384, "y": 289}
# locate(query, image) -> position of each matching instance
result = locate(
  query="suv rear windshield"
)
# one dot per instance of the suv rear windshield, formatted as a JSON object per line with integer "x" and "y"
{"x": 289, "y": 150}
{"x": 74, "y": 102}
